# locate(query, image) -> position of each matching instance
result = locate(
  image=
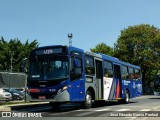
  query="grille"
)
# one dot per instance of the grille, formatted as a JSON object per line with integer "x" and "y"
{"x": 47, "y": 95}
{"x": 49, "y": 83}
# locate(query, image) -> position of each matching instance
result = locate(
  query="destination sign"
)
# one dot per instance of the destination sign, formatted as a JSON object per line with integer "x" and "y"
{"x": 49, "y": 51}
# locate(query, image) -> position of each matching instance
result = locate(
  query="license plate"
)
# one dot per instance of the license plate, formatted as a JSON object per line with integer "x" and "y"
{"x": 42, "y": 97}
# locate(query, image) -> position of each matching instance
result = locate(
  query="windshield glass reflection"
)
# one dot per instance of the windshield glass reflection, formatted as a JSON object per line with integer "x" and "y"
{"x": 50, "y": 68}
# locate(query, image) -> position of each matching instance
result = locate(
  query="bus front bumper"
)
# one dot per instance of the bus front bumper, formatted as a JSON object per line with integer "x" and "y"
{"x": 62, "y": 97}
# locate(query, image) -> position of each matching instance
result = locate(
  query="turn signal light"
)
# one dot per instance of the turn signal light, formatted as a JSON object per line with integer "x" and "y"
{"x": 34, "y": 90}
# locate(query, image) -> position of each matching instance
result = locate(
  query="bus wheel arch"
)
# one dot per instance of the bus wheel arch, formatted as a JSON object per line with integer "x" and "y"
{"x": 127, "y": 96}
{"x": 89, "y": 98}
{"x": 92, "y": 92}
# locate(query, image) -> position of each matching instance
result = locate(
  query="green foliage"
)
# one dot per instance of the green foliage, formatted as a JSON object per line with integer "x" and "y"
{"x": 140, "y": 45}
{"x": 103, "y": 48}
{"x": 15, "y": 49}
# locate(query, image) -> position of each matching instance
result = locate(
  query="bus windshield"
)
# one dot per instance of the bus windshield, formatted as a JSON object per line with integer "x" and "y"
{"x": 49, "y": 68}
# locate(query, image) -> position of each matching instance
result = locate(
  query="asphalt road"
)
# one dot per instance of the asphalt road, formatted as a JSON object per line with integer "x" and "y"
{"x": 142, "y": 108}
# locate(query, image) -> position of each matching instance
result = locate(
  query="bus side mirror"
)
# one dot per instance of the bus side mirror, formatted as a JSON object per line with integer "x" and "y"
{"x": 24, "y": 65}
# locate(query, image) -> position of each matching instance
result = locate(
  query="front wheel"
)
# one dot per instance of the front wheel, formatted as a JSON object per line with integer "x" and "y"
{"x": 88, "y": 100}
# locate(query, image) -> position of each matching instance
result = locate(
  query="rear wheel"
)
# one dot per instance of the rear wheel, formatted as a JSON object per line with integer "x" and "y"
{"x": 88, "y": 100}
{"x": 126, "y": 99}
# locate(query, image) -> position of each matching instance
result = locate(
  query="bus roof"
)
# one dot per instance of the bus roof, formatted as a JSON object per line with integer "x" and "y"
{"x": 130, "y": 65}
{"x": 93, "y": 54}
{"x": 110, "y": 58}
{"x": 114, "y": 59}
{"x": 70, "y": 48}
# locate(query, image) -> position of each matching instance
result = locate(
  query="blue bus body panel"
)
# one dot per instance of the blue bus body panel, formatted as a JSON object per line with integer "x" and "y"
{"x": 134, "y": 86}
{"x": 127, "y": 84}
{"x": 139, "y": 88}
{"x": 77, "y": 86}
{"x": 77, "y": 92}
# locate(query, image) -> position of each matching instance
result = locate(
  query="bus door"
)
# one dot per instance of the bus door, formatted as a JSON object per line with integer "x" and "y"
{"x": 76, "y": 76}
{"x": 99, "y": 79}
{"x": 117, "y": 81}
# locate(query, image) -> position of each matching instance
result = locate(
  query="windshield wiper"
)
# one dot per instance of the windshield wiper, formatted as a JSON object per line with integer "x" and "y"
{"x": 60, "y": 78}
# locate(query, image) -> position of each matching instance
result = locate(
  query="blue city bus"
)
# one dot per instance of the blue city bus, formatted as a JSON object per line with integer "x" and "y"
{"x": 61, "y": 74}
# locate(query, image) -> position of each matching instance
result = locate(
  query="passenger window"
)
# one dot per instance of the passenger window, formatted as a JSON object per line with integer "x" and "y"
{"x": 89, "y": 65}
{"x": 124, "y": 72}
{"x": 137, "y": 74}
{"x": 108, "y": 69}
{"x": 131, "y": 73}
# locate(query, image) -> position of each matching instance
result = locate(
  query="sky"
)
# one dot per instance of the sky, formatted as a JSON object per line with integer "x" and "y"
{"x": 90, "y": 21}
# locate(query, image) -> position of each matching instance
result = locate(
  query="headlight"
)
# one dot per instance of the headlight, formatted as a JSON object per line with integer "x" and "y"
{"x": 62, "y": 89}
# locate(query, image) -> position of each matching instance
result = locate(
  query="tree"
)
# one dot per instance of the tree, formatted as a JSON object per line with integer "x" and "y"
{"x": 103, "y": 48}
{"x": 140, "y": 45}
{"x": 16, "y": 50}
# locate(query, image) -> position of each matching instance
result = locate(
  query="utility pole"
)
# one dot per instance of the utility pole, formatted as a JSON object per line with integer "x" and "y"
{"x": 70, "y": 39}
{"x": 11, "y": 60}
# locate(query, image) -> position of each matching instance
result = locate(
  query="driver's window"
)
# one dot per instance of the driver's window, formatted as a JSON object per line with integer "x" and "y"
{"x": 76, "y": 66}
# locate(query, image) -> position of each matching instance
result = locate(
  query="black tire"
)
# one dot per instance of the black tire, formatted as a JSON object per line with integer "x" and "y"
{"x": 126, "y": 99}
{"x": 87, "y": 104}
{"x": 55, "y": 105}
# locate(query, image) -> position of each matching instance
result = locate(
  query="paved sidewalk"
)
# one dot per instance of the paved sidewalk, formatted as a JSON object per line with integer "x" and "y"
{"x": 5, "y": 108}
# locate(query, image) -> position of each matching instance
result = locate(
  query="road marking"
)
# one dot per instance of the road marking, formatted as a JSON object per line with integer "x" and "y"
{"x": 124, "y": 106}
{"x": 79, "y": 110}
{"x": 95, "y": 110}
{"x": 123, "y": 110}
{"x": 86, "y": 113}
{"x": 146, "y": 110}
{"x": 103, "y": 109}
{"x": 156, "y": 107}
{"x": 84, "y": 110}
